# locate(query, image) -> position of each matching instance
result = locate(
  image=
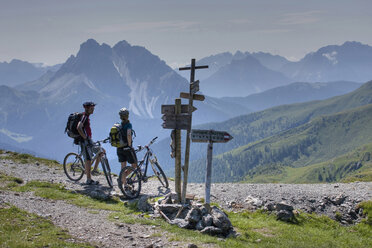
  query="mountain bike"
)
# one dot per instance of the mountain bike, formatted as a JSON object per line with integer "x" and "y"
{"x": 131, "y": 187}
{"x": 74, "y": 168}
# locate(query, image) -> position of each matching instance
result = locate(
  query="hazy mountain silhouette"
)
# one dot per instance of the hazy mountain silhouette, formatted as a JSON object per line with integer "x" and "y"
{"x": 18, "y": 71}
{"x": 243, "y": 77}
{"x": 293, "y": 93}
{"x": 351, "y": 61}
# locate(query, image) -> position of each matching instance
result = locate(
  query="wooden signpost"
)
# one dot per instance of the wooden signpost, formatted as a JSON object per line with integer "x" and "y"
{"x": 179, "y": 117}
{"x": 211, "y": 137}
{"x": 194, "y": 87}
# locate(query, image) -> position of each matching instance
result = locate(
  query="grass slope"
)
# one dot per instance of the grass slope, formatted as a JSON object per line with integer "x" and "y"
{"x": 317, "y": 141}
{"x": 353, "y": 166}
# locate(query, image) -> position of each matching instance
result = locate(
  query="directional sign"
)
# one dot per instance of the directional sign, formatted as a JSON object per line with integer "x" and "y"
{"x": 194, "y": 87}
{"x": 210, "y": 136}
{"x": 170, "y": 109}
{"x": 194, "y": 96}
{"x": 173, "y": 121}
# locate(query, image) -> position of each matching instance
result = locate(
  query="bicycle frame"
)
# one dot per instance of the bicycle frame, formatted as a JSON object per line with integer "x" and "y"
{"x": 146, "y": 158}
{"x": 99, "y": 153}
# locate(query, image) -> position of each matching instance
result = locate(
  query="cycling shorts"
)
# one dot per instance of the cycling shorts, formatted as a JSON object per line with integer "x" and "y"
{"x": 87, "y": 150}
{"x": 127, "y": 154}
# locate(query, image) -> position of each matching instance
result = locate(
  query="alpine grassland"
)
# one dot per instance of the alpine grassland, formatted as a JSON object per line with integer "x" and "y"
{"x": 319, "y": 140}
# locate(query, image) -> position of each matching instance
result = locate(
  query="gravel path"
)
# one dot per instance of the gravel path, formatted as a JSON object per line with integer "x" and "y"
{"x": 95, "y": 227}
{"x": 85, "y": 224}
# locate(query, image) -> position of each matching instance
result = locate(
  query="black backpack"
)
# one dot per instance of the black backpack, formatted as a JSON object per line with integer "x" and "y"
{"x": 71, "y": 126}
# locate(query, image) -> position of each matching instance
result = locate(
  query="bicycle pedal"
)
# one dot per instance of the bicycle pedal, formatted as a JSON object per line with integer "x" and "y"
{"x": 145, "y": 179}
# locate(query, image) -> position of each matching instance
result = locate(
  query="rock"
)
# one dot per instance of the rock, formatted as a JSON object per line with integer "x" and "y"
{"x": 232, "y": 234}
{"x": 283, "y": 206}
{"x": 220, "y": 219}
{"x": 200, "y": 225}
{"x": 212, "y": 230}
{"x": 338, "y": 200}
{"x": 203, "y": 211}
{"x": 98, "y": 194}
{"x": 181, "y": 223}
{"x": 143, "y": 205}
{"x": 270, "y": 206}
{"x": 254, "y": 201}
{"x": 285, "y": 215}
{"x": 192, "y": 246}
{"x": 193, "y": 216}
{"x": 207, "y": 220}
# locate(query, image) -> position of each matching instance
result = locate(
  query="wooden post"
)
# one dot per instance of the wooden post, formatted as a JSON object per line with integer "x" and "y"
{"x": 187, "y": 151}
{"x": 194, "y": 87}
{"x": 177, "y": 170}
{"x": 208, "y": 176}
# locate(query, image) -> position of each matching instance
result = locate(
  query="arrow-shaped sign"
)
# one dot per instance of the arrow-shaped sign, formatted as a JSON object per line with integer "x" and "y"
{"x": 194, "y": 96}
{"x": 170, "y": 109}
{"x": 210, "y": 136}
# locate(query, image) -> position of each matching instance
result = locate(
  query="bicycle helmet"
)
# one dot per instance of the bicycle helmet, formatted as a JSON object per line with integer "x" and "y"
{"x": 123, "y": 112}
{"x": 88, "y": 104}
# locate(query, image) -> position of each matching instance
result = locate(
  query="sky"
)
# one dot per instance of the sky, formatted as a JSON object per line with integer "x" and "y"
{"x": 49, "y": 31}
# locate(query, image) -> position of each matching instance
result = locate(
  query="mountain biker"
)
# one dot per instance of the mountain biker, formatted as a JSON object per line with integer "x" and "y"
{"x": 126, "y": 153}
{"x": 86, "y": 143}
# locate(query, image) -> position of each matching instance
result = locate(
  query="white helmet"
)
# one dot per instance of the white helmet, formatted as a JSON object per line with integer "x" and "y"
{"x": 123, "y": 112}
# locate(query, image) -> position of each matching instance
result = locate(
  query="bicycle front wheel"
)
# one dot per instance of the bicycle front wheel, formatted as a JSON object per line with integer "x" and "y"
{"x": 159, "y": 173}
{"x": 130, "y": 182}
{"x": 107, "y": 171}
{"x": 73, "y": 166}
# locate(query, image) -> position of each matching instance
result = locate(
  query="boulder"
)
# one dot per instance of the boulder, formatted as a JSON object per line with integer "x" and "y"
{"x": 220, "y": 219}
{"x": 207, "y": 220}
{"x": 194, "y": 215}
{"x": 283, "y": 206}
{"x": 212, "y": 230}
{"x": 253, "y": 201}
{"x": 200, "y": 225}
{"x": 285, "y": 215}
{"x": 338, "y": 200}
{"x": 182, "y": 223}
{"x": 143, "y": 205}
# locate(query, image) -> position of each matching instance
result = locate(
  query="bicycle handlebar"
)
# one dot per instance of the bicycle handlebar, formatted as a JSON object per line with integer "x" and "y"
{"x": 102, "y": 141}
{"x": 139, "y": 148}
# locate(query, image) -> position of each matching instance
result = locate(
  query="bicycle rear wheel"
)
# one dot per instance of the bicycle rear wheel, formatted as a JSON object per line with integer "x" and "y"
{"x": 107, "y": 171}
{"x": 159, "y": 173}
{"x": 131, "y": 187}
{"x": 73, "y": 166}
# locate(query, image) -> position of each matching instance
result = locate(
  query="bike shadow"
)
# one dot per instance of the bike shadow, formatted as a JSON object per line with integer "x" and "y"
{"x": 100, "y": 191}
{"x": 161, "y": 191}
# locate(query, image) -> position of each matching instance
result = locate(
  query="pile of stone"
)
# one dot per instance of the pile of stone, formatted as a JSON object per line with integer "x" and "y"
{"x": 338, "y": 207}
{"x": 193, "y": 215}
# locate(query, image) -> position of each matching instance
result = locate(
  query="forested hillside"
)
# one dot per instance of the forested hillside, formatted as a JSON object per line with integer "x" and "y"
{"x": 319, "y": 140}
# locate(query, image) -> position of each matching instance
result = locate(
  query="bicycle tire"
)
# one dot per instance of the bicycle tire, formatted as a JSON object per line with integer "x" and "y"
{"x": 159, "y": 173}
{"x": 132, "y": 186}
{"x": 73, "y": 170}
{"x": 107, "y": 171}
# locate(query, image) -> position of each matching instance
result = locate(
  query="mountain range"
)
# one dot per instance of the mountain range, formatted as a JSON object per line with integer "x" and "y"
{"x": 17, "y": 71}
{"x": 33, "y": 114}
{"x": 245, "y": 73}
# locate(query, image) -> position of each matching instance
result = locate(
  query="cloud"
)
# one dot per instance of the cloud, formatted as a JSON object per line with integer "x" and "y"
{"x": 301, "y": 18}
{"x": 331, "y": 57}
{"x": 145, "y": 26}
